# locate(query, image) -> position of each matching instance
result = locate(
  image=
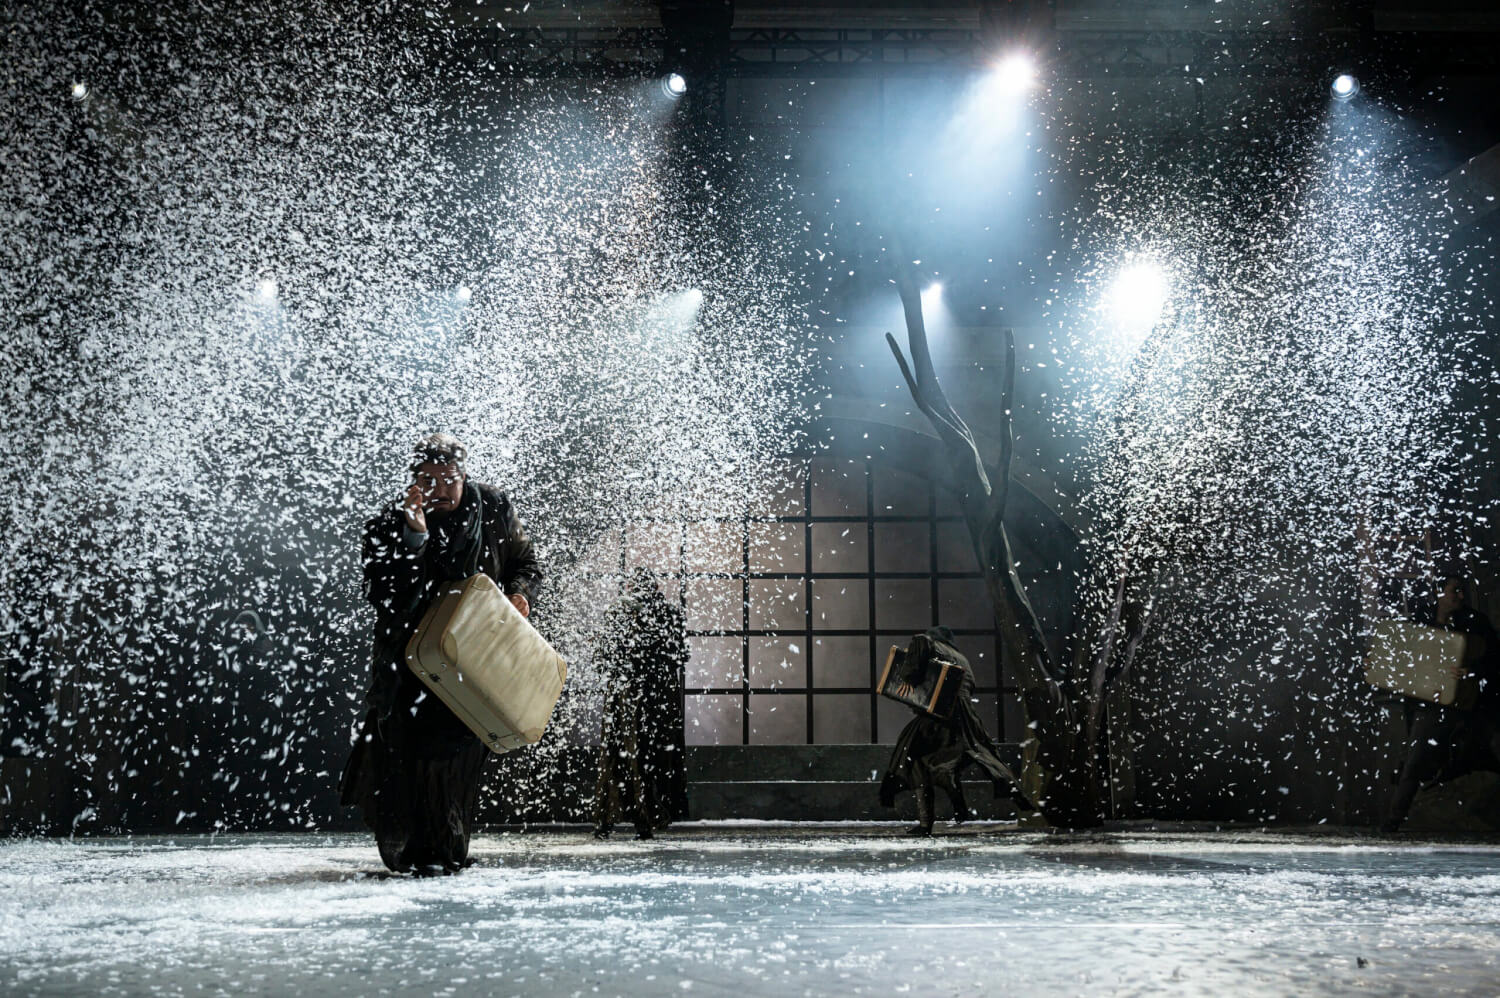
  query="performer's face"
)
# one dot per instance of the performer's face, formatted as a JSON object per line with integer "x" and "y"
{"x": 442, "y": 488}
{"x": 1449, "y": 599}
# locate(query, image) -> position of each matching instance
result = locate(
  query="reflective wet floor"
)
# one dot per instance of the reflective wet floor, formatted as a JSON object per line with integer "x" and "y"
{"x": 743, "y": 911}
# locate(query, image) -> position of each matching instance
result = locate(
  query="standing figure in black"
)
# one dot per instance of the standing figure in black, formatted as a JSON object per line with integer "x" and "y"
{"x": 1447, "y": 742}
{"x": 932, "y": 752}
{"x": 415, "y": 768}
{"x": 642, "y": 649}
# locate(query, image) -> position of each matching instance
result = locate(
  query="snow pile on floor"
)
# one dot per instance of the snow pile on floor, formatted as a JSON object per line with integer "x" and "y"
{"x": 750, "y": 914}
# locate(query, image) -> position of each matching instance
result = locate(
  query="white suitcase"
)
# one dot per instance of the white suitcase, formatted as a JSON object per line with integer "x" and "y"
{"x": 478, "y": 655}
{"x": 1419, "y": 661}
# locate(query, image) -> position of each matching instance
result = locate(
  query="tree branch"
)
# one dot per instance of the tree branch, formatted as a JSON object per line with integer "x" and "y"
{"x": 922, "y": 378}
{"x": 1060, "y": 763}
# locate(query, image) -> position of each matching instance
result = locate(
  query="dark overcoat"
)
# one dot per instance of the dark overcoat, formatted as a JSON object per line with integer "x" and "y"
{"x": 932, "y": 751}
{"x": 414, "y": 769}
{"x": 642, "y": 650}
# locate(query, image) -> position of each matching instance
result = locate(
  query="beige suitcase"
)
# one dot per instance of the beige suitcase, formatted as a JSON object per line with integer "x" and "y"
{"x": 1419, "y": 661}
{"x": 479, "y": 656}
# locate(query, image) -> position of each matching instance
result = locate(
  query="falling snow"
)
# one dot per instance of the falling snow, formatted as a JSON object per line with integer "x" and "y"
{"x": 241, "y": 286}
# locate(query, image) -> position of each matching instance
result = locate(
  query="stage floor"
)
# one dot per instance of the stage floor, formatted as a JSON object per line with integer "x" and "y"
{"x": 757, "y": 910}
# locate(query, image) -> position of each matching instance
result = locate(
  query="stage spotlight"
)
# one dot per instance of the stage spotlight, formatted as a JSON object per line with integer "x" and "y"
{"x": 672, "y": 314}
{"x": 1138, "y": 295}
{"x": 675, "y": 85}
{"x": 1345, "y": 86}
{"x": 265, "y": 291}
{"x": 464, "y": 292}
{"x": 1015, "y": 75}
{"x": 932, "y": 294}
{"x": 80, "y": 91}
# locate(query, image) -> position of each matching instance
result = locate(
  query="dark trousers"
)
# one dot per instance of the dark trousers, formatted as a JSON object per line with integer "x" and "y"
{"x": 621, "y": 787}
{"x": 415, "y": 778}
{"x": 925, "y": 791}
{"x": 1429, "y": 743}
{"x": 1441, "y": 741}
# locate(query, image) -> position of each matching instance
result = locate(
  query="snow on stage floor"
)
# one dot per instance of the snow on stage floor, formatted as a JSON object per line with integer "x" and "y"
{"x": 746, "y": 910}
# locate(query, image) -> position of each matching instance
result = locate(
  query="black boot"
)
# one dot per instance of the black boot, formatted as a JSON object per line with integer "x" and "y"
{"x": 961, "y": 812}
{"x": 923, "y": 827}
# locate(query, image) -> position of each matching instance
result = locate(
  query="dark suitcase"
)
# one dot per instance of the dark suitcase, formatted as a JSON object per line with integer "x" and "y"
{"x": 938, "y": 692}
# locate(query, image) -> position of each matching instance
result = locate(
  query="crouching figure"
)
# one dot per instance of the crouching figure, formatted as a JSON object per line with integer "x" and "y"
{"x": 932, "y": 752}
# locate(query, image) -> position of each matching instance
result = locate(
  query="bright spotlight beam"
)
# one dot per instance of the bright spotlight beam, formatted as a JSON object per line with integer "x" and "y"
{"x": 675, "y": 85}
{"x": 1015, "y": 74}
{"x": 1344, "y": 86}
{"x": 673, "y": 314}
{"x": 1138, "y": 296}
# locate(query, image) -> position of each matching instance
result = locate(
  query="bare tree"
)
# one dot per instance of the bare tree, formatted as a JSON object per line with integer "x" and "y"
{"x": 1061, "y": 765}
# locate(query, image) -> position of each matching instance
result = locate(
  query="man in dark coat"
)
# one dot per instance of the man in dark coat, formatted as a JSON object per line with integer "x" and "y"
{"x": 932, "y": 752}
{"x": 642, "y": 649}
{"x": 415, "y": 768}
{"x": 1446, "y": 742}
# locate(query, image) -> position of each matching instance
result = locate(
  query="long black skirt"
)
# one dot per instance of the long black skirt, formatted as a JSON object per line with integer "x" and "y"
{"x": 415, "y": 777}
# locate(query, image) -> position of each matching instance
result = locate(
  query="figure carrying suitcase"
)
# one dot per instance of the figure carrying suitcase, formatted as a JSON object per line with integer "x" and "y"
{"x": 415, "y": 768}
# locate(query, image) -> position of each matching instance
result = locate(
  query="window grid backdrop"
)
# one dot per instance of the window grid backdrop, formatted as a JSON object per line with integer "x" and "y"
{"x": 859, "y": 557}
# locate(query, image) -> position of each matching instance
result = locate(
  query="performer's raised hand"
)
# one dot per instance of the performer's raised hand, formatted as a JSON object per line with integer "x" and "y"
{"x": 411, "y": 506}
